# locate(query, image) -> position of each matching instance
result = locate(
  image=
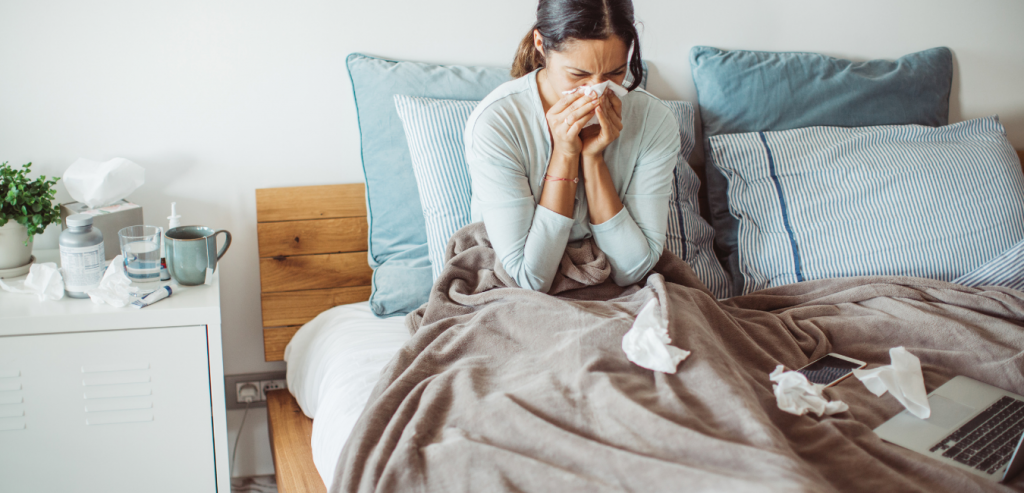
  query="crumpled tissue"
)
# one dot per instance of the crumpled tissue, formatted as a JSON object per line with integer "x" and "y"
{"x": 647, "y": 342}
{"x": 99, "y": 184}
{"x": 43, "y": 280}
{"x": 903, "y": 379}
{"x": 797, "y": 395}
{"x": 599, "y": 89}
{"x": 115, "y": 288}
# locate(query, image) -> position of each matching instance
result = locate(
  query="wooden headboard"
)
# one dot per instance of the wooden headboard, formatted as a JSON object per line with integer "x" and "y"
{"x": 312, "y": 247}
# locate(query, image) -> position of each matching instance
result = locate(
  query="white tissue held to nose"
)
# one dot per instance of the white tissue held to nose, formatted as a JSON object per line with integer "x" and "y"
{"x": 797, "y": 395}
{"x": 647, "y": 342}
{"x": 599, "y": 89}
{"x": 44, "y": 280}
{"x": 902, "y": 378}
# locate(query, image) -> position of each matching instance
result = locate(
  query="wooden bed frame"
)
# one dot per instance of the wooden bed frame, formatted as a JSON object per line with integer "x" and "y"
{"x": 312, "y": 248}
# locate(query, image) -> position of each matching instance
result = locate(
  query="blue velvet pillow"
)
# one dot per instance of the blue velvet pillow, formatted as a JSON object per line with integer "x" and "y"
{"x": 398, "y": 239}
{"x": 752, "y": 91}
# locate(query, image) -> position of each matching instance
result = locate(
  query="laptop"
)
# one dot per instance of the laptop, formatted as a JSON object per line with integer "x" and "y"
{"x": 973, "y": 426}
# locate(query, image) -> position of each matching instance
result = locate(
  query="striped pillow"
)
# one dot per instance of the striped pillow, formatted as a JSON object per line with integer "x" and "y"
{"x": 689, "y": 236}
{"x": 822, "y": 202}
{"x": 434, "y": 127}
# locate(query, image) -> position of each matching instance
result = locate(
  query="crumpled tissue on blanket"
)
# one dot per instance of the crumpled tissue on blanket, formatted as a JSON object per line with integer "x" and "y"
{"x": 43, "y": 280}
{"x": 903, "y": 379}
{"x": 647, "y": 342}
{"x": 797, "y": 395}
{"x": 599, "y": 89}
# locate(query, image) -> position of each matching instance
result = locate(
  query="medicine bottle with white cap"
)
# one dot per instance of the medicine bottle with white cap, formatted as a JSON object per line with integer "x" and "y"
{"x": 81, "y": 255}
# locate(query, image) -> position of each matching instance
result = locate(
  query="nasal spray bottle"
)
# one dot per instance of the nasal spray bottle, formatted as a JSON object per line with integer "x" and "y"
{"x": 174, "y": 220}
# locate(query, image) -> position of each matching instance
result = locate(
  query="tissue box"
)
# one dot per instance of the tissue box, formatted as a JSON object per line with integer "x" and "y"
{"x": 109, "y": 220}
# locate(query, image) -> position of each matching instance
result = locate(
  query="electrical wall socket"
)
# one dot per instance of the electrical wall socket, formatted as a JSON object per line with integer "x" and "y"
{"x": 268, "y": 385}
{"x": 258, "y": 394}
{"x": 262, "y": 381}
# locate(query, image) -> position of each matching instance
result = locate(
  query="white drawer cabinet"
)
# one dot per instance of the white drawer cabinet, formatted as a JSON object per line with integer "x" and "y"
{"x": 101, "y": 399}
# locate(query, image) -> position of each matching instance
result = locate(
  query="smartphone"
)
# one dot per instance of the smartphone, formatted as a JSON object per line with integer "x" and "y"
{"x": 831, "y": 369}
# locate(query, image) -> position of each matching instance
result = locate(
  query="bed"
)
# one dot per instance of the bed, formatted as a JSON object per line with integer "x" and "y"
{"x": 292, "y": 222}
{"x": 313, "y": 256}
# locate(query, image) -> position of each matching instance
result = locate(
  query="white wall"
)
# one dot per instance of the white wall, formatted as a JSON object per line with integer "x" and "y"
{"x": 218, "y": 98}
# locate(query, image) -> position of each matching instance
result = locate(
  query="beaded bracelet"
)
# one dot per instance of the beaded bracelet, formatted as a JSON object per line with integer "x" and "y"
{"x": 548, "y": 177}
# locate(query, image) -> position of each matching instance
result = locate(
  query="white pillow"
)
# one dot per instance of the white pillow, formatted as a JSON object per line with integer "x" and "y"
{"x": 910, "y": 200}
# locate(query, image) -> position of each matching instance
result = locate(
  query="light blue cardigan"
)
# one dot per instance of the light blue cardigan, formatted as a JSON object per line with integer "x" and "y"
{"x": 508, "y": 148}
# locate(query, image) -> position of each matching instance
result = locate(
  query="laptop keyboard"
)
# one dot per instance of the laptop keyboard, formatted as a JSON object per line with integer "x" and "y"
{"x": 987, "y": 441}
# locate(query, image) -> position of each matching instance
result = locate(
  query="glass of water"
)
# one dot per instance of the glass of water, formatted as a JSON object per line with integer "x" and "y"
{"x": 140, "y": 246}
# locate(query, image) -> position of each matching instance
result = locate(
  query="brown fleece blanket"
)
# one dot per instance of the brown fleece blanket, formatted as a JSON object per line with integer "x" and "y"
{"x": 506, "y": 389}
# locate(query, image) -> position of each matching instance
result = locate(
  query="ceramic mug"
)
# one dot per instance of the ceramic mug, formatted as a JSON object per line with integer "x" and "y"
{"x": 192, "y": 253}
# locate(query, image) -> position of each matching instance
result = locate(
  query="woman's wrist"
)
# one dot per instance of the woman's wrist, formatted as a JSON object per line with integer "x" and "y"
{"x": 591, "y": 162}
{"x": 562, "y": 166}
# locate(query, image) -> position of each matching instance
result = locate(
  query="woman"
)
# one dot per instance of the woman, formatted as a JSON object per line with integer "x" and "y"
{"x": 542, "y": 180}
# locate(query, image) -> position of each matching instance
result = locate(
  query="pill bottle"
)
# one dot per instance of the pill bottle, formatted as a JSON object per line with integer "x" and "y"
{"x": 81, "y": 255}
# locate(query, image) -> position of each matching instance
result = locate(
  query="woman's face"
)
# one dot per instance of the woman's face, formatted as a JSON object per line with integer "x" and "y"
{"x": 584, "y": 62}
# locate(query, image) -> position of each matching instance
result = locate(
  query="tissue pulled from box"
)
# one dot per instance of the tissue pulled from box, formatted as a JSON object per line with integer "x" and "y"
{"x": 99, "y": 184}
{"x": 44, "y": 280}
{"x": 797, "y": 395}
{"x": 115, "y": 288}
{"x": 903, "y": 379}
{"x": 647, "y": 342}
{"x": 599, "y": 89}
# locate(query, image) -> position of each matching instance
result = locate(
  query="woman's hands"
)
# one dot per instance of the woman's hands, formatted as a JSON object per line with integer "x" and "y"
{"x": 577, "y": 150}
{"x": 597, "y": 137}
{"x": 565, "y": 120}
{"x": 568, "y": 116}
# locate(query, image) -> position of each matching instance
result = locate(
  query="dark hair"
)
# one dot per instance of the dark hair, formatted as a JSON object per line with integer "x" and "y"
{"x": 563, "y": 21}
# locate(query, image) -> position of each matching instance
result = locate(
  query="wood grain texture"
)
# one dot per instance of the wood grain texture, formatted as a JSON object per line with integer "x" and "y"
{"x": 290, "y": 438}
{"x": 312, "y": 236}
{"x": 275, "y": 339}
{"x": 314, "y": 272}
{"x": 313, "y": 202}
{"x": 299, "y": 307}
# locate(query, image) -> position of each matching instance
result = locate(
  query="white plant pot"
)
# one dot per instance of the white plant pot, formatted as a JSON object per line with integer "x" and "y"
{"x": 13, "y": 251}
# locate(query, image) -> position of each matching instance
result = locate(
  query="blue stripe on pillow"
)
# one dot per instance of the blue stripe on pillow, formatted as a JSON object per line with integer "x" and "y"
{"x": 934, "y": 202}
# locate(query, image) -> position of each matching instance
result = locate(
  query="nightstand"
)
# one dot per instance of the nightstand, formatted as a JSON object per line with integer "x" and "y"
{"x": 95, "y": 398}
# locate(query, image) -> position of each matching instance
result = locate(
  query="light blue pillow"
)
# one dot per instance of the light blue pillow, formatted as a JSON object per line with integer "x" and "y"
{"x": 434, "y": 129}
{"x": 397, "y": 233}
{"x": 689, "y": 236}
{"x": 750, "y": 91}
{"x": 908, "y": 200}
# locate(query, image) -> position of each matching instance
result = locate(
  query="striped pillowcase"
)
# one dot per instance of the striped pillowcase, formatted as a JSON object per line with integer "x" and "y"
{"x": 910, "y": 200}
{"x": 689, "y": 236}
{"x": 1006, "y": 270}
{"x": 434, "y": 130}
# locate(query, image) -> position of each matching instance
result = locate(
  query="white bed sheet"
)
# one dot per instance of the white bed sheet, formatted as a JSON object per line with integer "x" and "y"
{"x": 334, "y": 361}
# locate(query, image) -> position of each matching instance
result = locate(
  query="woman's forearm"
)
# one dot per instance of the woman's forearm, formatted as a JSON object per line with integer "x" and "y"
{"x": 602, "y": 200}
{"x": 559, "y": 193}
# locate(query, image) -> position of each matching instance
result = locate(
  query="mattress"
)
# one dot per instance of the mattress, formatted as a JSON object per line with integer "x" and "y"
{"x": 334, "y": 362}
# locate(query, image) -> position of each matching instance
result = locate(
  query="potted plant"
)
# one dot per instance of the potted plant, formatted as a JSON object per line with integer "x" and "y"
{"x": 26, "y": 209}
